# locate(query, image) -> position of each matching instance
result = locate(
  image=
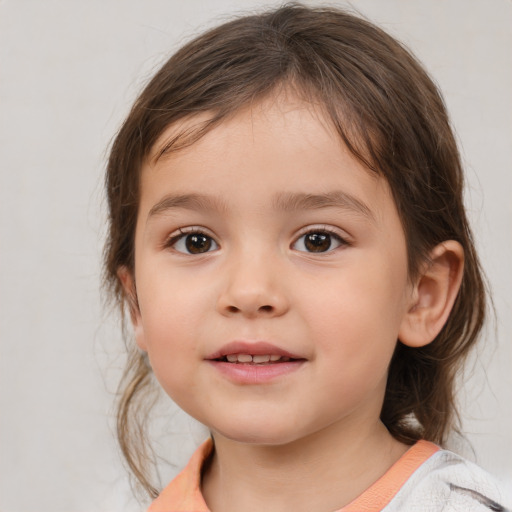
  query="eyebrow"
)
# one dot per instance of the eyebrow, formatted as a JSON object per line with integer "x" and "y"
{"x": 289, "y": 201}
{"x": 286, "y": 201}
{"x": 189, "y": 202}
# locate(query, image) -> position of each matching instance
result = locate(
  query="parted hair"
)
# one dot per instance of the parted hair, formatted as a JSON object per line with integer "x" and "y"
{"x": 390, "y": 115}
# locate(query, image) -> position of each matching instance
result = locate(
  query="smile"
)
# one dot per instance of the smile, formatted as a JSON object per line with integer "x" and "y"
{"x": 252, "y": 352}
{"x": 254, "y": 362}
{"x": 255, "y": 359}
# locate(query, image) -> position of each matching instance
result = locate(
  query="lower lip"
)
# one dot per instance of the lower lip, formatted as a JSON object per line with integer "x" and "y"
{"x": 256, "y": 373}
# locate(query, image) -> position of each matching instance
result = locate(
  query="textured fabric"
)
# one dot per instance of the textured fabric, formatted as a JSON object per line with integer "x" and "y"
{"x": 424, "y": 479}
{"x": 448, "y": 483}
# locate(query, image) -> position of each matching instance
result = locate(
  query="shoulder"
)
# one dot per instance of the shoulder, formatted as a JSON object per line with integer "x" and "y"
{"x": 446, "y": 482}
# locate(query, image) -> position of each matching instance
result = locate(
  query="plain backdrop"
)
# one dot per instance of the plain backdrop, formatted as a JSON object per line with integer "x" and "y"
{"x": 69, "y": 71}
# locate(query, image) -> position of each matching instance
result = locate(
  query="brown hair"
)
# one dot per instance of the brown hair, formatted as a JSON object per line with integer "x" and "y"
{"x": 391, "y": 116}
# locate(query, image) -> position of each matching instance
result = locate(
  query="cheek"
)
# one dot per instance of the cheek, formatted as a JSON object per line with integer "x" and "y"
{"x": 357, "y": 318}
{"x": 172, "y": 354}
{"x": 170, "y": 301}
{"x": 170, "y": 323}
{"x": 354, "y": 348}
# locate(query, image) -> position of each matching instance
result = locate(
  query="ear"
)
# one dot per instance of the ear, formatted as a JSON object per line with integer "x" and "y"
{"x": 433, "y": 295}
{"x": 128, "y": 282}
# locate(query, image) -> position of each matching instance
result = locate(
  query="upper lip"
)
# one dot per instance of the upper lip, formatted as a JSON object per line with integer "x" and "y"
{"x": 253, "y": 348}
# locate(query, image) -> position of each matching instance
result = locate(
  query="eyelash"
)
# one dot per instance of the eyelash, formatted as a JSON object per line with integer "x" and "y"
{"x": 333, "y": 234}
{"x": 183, "y": 233}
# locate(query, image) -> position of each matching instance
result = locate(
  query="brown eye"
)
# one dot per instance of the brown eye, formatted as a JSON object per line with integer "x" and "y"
{"x": 197, "y": 244}
{"x": 193, "y": 243}
{"x": 317, "y": 241}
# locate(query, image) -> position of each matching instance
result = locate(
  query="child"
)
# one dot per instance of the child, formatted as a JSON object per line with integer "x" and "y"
{"x": 287, "y": 230}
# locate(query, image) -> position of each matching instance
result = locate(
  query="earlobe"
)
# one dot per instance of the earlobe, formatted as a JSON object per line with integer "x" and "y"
{"x": 433, "y": 295}
{"x": 128, "y": 282}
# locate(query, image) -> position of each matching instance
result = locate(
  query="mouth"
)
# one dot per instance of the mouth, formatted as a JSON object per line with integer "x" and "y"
{"x": 254, "y": 362}
{"x": 255, "y": 359}
{"x": 253, "y": 353}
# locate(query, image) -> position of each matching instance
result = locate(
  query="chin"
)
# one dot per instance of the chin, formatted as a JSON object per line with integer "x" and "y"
{"x": 258, "y": 434}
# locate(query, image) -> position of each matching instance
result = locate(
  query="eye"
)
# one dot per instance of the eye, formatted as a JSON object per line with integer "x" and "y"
{"x": 318, "y": 241}
{"x": 193, "y": 243}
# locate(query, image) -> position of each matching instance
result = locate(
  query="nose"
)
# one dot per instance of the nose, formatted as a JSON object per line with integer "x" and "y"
{"x": 252, "y": 288}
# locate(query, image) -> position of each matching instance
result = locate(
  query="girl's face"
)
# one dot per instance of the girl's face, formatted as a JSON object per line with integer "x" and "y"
{"x": 267, "y": 238}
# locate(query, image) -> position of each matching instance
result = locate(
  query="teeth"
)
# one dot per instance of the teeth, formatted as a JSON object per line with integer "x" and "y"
{"x": 260, "y": 359}
{"x": 256, "y": 359}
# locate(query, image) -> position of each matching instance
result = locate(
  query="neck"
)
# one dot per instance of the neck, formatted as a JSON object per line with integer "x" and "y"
{"x": 324, "y": 471}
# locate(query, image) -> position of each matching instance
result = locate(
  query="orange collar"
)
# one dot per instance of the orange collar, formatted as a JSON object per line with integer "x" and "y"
{"x": 183, "y": 494}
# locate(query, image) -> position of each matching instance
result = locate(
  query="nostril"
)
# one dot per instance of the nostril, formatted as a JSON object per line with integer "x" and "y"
{"x": 267, "y": 309}
{"x": 233, "y": 309}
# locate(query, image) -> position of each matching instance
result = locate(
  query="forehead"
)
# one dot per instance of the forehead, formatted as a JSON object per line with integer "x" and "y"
{"x": 279, "y": 106}
{"x": 280, "y": 145}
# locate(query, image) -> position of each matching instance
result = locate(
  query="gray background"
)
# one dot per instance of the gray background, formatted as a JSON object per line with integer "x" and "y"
{"x": 69, "y": 71}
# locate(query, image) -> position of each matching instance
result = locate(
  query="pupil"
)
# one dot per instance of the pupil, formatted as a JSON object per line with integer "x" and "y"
{"x": 317, "y": 242}
{"x": 198, "y": 243}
